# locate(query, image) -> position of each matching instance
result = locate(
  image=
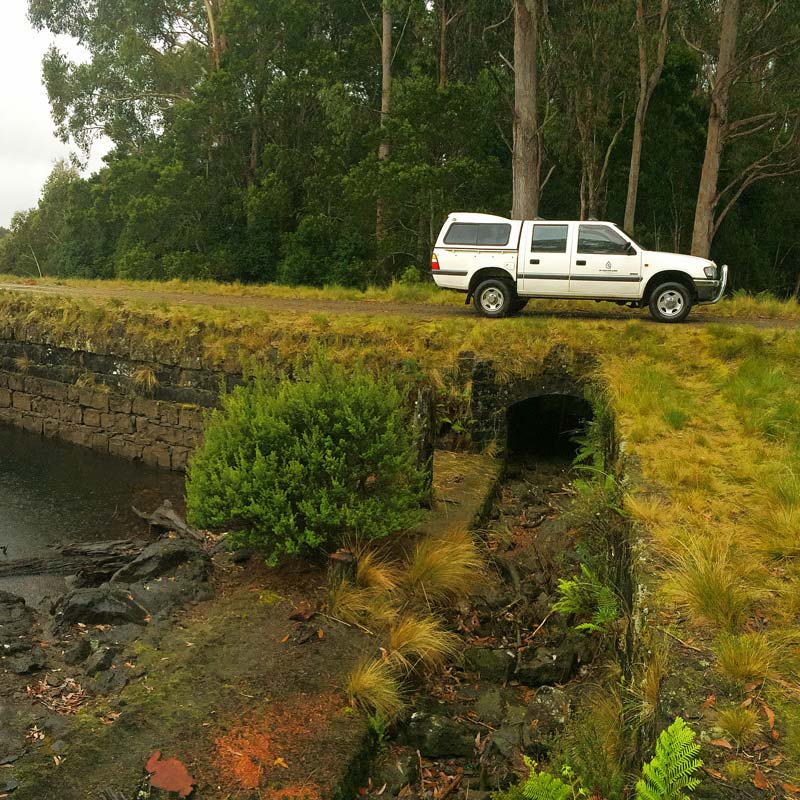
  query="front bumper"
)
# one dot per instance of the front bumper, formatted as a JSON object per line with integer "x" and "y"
{"x": 711, "y": 291}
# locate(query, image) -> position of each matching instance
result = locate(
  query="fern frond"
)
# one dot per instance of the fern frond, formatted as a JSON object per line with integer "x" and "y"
{"x": 672, "y": 769}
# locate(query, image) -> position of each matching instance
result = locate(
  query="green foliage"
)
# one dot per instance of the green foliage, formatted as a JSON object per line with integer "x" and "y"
{"x": 671, "y": 771}
{"x": 256, "y": 161}
{"x": 667, "y": 776}
{"x": 544, "y": 786}
{"x": 587, "y": 596}
{"x": 298, "y": 465}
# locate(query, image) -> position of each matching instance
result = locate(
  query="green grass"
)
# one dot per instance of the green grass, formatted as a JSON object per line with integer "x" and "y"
{"x": 708, "y": 416}
{"x": 741, "y": 305}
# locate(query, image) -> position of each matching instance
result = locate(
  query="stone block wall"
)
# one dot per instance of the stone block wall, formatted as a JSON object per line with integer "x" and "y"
{"x": 158, "y": 432}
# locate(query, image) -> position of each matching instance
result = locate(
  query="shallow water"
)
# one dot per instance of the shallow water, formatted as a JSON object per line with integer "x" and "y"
{"x": 52, "y": 493}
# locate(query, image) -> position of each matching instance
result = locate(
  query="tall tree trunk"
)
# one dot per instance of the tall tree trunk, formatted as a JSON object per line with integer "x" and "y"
{"x": 527, "y": 155}
{"x": 381, "y": 226}
{"x": 647, "y": 85}
{"x": 442, "y": 44}
{"x": 703, "y": 232}
{"x": 215, "y": 35}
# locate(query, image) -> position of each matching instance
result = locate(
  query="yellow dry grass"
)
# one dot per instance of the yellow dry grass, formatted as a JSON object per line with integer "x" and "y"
{"x": 373, "y": 686}
{"x": 443, "y": 568}
{"x": 420, "y": 641}
{"x": 746, "y": 657}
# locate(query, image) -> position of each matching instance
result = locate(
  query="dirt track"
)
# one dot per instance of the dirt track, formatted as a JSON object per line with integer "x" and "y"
{"x": 280, "y": 305}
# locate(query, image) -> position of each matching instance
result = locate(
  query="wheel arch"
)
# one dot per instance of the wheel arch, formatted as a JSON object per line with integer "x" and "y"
{"x": 670, "y": 276}
{"x": 485, "y": 273}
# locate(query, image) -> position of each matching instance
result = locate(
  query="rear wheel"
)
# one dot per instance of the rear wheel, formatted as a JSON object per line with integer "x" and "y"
{"x": 494, "y": 298}
{"x": 670, "y": 302}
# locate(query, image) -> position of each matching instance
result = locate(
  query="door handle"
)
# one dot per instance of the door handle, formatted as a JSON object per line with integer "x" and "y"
{"x": 580, "y": 263}
{"x": 534, "y": 261}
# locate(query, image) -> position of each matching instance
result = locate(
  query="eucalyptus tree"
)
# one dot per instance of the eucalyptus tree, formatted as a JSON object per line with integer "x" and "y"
{"x": 751, "y": 56}
{"x": 652, "y": 34}
{"x": 527, "y": 150}
{"x": 593, "y": 44}
{"x": 144, "y": 57}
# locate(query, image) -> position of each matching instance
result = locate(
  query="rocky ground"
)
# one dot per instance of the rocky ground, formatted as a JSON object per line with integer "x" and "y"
{"x": 523, "y": 666}
{"x": 191, "y": 651}
{"x": 230, "y": 672}
{"x": 147, "y": 661}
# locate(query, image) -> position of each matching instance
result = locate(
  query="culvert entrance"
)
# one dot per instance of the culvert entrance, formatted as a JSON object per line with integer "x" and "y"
{"x": 545, "y": 426}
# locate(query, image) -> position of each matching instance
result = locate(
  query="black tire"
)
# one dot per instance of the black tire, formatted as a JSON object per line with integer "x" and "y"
{"x": 670, "y": 302}
{"x": 518, "y": 305}
{"x": 494, "y": 298}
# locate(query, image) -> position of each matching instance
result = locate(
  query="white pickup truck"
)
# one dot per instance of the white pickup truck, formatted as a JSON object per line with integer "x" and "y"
{"x": 501, "y": 263}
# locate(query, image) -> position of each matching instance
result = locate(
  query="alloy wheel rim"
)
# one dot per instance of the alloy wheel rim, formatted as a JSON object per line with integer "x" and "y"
{"x": 670, "y": 303}
{"x": 492, "y": 299}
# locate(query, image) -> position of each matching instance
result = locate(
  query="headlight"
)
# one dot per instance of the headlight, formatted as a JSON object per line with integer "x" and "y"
{"x": 710, "y": 271}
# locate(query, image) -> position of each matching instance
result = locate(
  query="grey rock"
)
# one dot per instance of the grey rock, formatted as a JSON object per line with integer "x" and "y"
{"x": 16, "y": 621}
{"x": 396, "y": 770}
{"x": 492, "y": 665}
{"x": 507, "y": 739}
{"x": 77, "y": 652}
{"x": 515, "y": 715}
{"x": 168, "y": 574}
{"x": 8, "y": 785}
{"x": 112, "y": 680}
{"x": 121, "y": 635}
{"x": 100, "y": 660}
{"x": 161, "y": 558}
{"x": 103, "y": 605}
{"x": 26, "y": 663}
{"x": 548, "y": 665}
{"x": 490, "y": 706}
{"x": 548, "y": 713}
{"x": 437, "y": 736}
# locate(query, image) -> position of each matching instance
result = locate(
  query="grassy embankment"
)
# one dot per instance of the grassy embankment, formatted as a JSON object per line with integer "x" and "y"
{"x": 741, "y": 305}
{"x": 710, "y": 414}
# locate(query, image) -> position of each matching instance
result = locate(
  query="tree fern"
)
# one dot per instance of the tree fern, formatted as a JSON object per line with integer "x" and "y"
{"x": 671, "y": 770}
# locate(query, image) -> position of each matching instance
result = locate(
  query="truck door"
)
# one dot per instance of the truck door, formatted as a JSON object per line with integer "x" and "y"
{"x": 544, "y": 259}
{"x": 605, "y": 263}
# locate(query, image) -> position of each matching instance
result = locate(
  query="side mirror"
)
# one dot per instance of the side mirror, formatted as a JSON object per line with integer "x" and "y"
{"x": 630, "y": 250}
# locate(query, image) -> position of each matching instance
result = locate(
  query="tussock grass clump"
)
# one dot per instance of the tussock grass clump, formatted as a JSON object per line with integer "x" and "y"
{"x": 373, "y": 571}
{"x": 372, "y": 685}
{"x": 737, "y": 771}
{"x": 741, "y": 724}
{"x": 357, "y": 604}
{"x": 745, "y": 657}
{"x": 709, "y": 579}
{"x": 420, "y": 641}
{"x": 443, "y": 568}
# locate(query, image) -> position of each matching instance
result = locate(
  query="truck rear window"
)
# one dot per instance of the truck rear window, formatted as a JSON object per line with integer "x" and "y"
{"x": 491, "y": 234}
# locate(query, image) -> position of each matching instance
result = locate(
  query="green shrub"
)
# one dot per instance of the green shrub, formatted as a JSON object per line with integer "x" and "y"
{"x": 294, "y": 466}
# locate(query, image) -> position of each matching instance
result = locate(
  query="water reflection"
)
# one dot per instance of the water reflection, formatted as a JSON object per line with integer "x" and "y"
{"x": 51, "y": 493}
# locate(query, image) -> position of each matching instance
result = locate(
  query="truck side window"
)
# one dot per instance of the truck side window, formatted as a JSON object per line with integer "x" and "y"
{"x": 549, "y": 239}
{"x": 601, "y": 240}
{"x": 490, "y": 234}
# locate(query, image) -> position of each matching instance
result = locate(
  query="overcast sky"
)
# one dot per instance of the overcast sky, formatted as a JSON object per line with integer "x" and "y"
{"x": 28, "y": 147}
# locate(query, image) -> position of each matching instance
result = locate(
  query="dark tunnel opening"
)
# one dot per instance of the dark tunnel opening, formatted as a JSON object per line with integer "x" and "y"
{"x": 546, "y": 426}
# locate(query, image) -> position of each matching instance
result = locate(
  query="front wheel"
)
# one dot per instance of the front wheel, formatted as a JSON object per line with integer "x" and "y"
{"x": 670, "y": 302}
{"x": 494, "y": 298}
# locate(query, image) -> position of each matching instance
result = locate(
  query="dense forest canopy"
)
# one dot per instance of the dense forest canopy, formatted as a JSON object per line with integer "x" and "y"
{"x": 309, "y": 141}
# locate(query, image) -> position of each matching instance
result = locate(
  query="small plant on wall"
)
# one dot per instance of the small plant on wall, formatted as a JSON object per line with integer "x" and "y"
{"x": 295, "y": 466}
